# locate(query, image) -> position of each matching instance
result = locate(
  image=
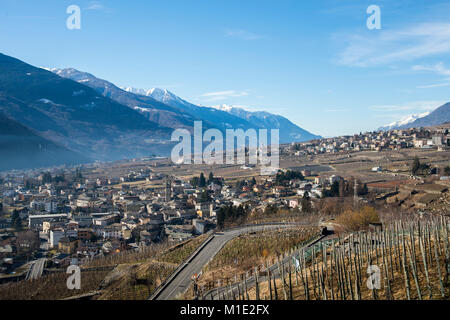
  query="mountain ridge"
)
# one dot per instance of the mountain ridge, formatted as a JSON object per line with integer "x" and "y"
{"x": 438, "y": 116}
{"x": 22, "y": 148}
{"x": 212, "y": 117}
{"x": 288, "y": 130}
{"x": 78, "y": 114}
{"x": 404, "y": 121}
{"x": 75, "y": 116}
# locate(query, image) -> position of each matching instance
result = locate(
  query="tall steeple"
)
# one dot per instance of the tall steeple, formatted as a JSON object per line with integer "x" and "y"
{"x": 168, "y": 188}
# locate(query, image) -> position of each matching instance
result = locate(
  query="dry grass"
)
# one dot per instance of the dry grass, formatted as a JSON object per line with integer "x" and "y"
{"x": 135, "y": 275}
{"x": 50, "y": 287}
{"x": 181, "y": 253}
{"x": 354, "y": 220}
{"x": 135, "y": 281}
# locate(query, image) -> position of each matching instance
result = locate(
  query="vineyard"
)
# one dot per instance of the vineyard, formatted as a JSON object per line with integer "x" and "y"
{"x": 406, "y": 260}
{"x": 402, "y": 260}
{"x": 126, "y": 275}
{"x": 136, "y": 281}
{"x": 182, "y": 252}
{"x": 248, "y": 250}
{"x": 50, "y": 287}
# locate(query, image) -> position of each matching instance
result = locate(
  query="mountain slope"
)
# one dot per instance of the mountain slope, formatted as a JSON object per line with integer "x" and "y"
{"x": 438, "y": 116}
{"x": 212, "y": 117}
{"x": 75, "y": 115}
{"x": 21, "y": 148}
{"x": 403, "y": 121}
{"x": 152, "y": 109}
{"x": 289, "y": 132}
{"x": 167, "y": 109}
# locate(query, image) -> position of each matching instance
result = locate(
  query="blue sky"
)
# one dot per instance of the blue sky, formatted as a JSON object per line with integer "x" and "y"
{"x": 315, "y": 62}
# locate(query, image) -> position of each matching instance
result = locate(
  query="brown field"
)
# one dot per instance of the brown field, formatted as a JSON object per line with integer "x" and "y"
{"x": 389, "y": 184}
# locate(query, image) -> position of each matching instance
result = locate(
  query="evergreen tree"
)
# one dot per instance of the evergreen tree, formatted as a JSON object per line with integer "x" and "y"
{"x": 202, "y": 181}
{"x": 230, "y": 214}
{"x": 364, "y": 190}
{"x": 204, "y": 197}
{"x": 306, "y": 205}
{"x": 47, "y": 177}
{"x": 78, "y": 175}
{"x": 418, "y": 167}
{"x": 447, "y": 170}
{"x": 415, "y": 166}
{"x": 283, "y": 177}
{"x": 195, "y": 182}
{"x": 60, "y": 178}
{"x": 210, "y": 178}
{"x": 240, "y": 184}
{"x": 16, "y": 221}
{"x": 220, "y": 218}
{"x": 335, "y": 189}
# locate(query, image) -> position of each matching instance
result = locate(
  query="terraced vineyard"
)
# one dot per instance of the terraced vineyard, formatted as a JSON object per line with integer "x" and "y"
{"x": 246, "y": 251}
{"x": 128, "y": 275}
{"x": 406, "y": 260}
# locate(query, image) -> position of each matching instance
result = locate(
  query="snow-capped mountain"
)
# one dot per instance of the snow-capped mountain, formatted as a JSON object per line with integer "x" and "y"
{"x": 404, "y": 121}
{"x": 289, "y": 132}
{"x": 152, "y": 109}
{"x": 438, "y": 116}
{"x": 161, "y": 95}
{"x": 158, "y": 105}
{"x": 73, "y": 118}
{"x": 169, "y": 110}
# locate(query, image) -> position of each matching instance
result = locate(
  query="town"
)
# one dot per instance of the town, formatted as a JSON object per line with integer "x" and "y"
{"x": 56, "y": 217}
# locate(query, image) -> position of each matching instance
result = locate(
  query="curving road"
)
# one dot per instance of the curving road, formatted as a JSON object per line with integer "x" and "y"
{"x": 36, "y": 269}
{"x": 182, "y": 279}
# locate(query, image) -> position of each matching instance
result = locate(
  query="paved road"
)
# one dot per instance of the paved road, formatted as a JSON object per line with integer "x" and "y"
{"x": 182, "y": 280}
{"x": 37, "y": 269}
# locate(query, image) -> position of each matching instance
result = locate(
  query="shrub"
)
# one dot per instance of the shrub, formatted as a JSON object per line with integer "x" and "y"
{"x": 356, "y": 220}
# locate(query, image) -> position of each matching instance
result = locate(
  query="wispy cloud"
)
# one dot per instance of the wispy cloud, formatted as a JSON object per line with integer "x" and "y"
{"x": 389, "y": 46}
{"x": 337, "y": 110}
{"x": 410, "y": 106}
{"x": 223, "y": 95}
{"x": 438, "y": 68}
{"x": 31, "y": 17}
{"x": 226, "y": 107}
{"x": 95, "y": 5}
{"x": 435, "y": 85}
{"x": 167, "y": 86}
{"x": 243, "y": 34}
